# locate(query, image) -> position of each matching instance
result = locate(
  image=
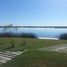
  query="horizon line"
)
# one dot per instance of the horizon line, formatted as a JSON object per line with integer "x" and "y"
{"x": 27, "y": 26}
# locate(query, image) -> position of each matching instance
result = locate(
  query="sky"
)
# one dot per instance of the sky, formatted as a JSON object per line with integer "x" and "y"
{"x": 33, "y": 12}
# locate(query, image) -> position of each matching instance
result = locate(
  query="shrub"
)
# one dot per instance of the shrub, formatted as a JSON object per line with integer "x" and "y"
{"x": 24, "y": 35}
{"x": 28, "y": 35}
{"x": 6, "y": 34}
{"x": 63, "y": 36}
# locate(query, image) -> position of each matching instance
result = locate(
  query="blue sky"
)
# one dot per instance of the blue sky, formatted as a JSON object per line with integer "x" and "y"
{"x": 33, "y": 12}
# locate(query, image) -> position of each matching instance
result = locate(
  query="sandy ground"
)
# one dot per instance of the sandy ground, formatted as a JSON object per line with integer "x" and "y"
{"x": 48, "y": 38}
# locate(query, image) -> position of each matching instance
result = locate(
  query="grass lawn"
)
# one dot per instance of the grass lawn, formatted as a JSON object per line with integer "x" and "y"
{"x": 33, "y": 57}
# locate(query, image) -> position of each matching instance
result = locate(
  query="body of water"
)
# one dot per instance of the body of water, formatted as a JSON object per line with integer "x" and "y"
{"x": 43, "y": 32}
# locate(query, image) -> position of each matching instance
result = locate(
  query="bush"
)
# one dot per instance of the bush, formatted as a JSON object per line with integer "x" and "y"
{"x": 6, "y": 34}
{"x": 63, "y": 36}
{"x": 24, "y": 35}
{"x": 28, "y": 35}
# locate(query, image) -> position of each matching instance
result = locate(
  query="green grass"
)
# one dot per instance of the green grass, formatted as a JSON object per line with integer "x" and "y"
{"x": 33, "y": 57}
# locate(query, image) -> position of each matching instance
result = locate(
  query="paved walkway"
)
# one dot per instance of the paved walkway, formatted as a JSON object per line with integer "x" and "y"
{"x": 8, "y": 55}
{"x": 58, "y": 48}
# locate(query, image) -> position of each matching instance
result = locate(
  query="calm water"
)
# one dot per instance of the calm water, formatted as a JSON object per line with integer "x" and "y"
{"x": 43, "y": 32}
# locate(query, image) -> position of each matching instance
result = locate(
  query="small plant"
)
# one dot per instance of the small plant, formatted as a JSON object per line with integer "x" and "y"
{"x": 23, "y": 43}
{"x": 12, "y": 43}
